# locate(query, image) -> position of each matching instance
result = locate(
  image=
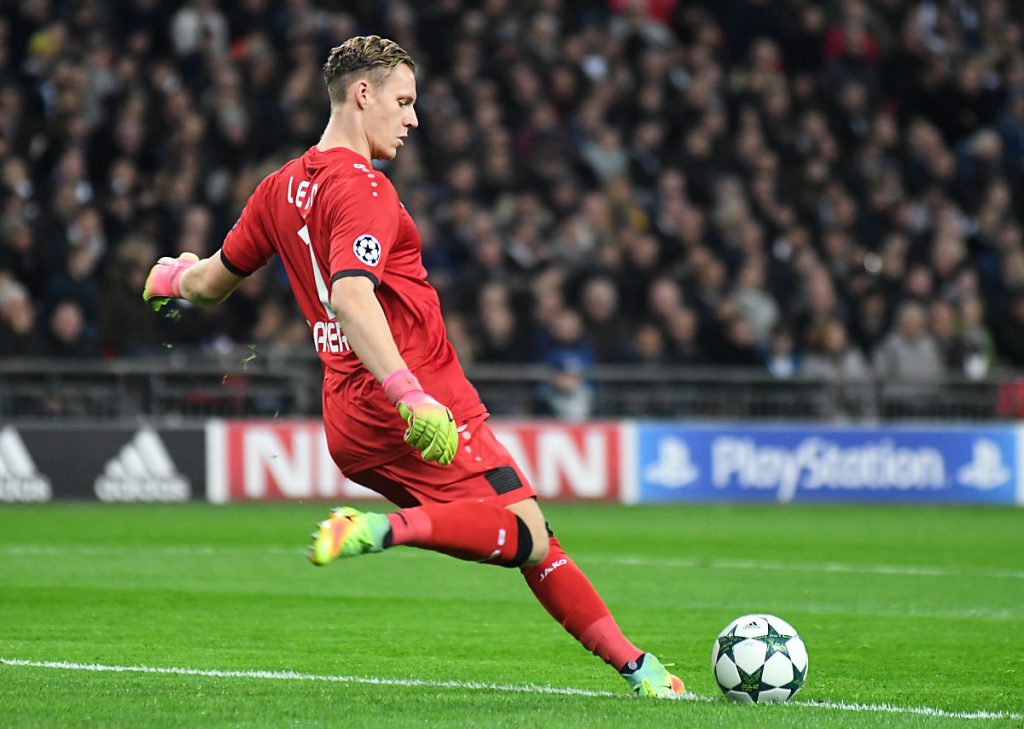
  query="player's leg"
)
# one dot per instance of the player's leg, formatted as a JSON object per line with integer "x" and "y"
{"x": 571, "y": 599}
{"x": 482, "y": 508}
{"x": 473, "y": 529}
{"x": 508, "y": 535}
{"x": 457, "y": 509}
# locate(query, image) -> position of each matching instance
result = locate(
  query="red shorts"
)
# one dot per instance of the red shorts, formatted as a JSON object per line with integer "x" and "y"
{"x": 482, "y": 469}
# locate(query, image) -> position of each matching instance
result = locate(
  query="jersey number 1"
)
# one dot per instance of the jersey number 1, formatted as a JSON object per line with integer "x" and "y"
{"x": 321, "y": 285}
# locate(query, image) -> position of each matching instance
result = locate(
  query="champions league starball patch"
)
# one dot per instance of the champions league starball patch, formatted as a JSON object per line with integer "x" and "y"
{"x": 367, "y": 249}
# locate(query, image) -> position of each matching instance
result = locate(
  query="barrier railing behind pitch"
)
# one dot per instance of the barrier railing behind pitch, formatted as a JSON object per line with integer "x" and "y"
{"x": 195, "y": 385}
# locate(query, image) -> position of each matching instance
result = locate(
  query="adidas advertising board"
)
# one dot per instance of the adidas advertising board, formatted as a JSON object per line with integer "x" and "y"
{"x": 20, "y": 479}
{"x": 107, "y": 463}
{"x": 142, "y": 470}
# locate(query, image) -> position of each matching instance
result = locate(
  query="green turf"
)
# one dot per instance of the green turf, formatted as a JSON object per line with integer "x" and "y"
{"x": 227, "y": 588}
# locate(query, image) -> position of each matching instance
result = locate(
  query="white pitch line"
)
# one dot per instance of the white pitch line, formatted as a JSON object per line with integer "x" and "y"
{"x": 483, "y": 686}
{"x": 294, "y": 676}
{"x": 918, "y": 710}
{"x": 833, "y": 567}
{"x": 23, "y": 550}
{"x": 672, "y": 563}
{"x": 163, "y": 550}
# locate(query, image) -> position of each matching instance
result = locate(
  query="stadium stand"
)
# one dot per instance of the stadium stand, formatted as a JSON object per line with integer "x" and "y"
{"x": 664, "y": 184}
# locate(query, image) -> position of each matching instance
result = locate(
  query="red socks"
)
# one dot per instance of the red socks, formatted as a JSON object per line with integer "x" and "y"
{"x": 484, "y": 532}
{"x": 471, "y": 530}
{"x": 567, "y": 594}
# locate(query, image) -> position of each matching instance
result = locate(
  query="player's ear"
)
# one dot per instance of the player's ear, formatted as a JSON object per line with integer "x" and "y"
{"x": 361, "y": 93}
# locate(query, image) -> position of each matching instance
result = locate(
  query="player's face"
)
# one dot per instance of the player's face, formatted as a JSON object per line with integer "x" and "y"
{"x": 393, "y": 114}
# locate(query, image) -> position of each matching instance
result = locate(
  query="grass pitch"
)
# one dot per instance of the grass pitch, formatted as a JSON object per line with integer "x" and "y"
{"x": 911, "y": 616}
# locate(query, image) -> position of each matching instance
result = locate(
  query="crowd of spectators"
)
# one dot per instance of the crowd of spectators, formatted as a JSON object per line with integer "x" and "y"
{"x": 831, "y": 188}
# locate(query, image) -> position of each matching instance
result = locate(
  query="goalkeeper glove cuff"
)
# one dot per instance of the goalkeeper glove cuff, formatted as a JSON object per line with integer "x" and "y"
{"x": 164, "y": 281}
{"x": 399, "y": 384}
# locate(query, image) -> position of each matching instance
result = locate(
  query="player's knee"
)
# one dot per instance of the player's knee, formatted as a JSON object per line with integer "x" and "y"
{"x": 533, "y": 532}
{"x": 527, "y": 546}
{"x": 540, "y": 543}
{"x": 539, "y": 551}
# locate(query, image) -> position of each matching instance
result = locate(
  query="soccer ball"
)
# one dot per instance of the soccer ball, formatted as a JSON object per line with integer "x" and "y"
{"x": 759, "y": 659}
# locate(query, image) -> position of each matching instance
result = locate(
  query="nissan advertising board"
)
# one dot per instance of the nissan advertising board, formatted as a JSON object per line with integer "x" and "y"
{"x": 260, "y": 460}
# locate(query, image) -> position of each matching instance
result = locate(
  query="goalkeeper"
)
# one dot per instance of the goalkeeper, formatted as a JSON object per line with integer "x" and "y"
{"x": 400, "y": 416}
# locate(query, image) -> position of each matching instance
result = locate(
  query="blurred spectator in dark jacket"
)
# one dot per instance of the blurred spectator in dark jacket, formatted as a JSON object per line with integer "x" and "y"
{"x": 604, "y": 324}
{"x": 70, "y": 334}
{"x": 945, "y": 330}
{"x": 781, "y": 356}
{"x": 19, "y": 335}
{"x": 648, "y": 345}
{"x": 980, "y": 354}
{"x": 1008, "y": 330}
{"x": 682, "y": 338}
{"x": 565, "y": 349}
{"x": 500, "y": 334}
{"x": 128, "y": 329}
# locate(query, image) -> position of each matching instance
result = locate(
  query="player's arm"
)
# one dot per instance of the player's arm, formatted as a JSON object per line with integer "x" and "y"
{"x": 203, "y": 281}
{"x": 246, "y": 247}
{"x": 209, "y": 281}
{"x": 366, "y": 328}
{"x": 432, "y": 429}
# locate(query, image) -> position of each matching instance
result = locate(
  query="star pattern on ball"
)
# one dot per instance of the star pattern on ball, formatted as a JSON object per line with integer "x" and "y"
{"x": 727, "y": 642}
{"x": 798, "y": 679}
{"x": 774, "y": 643}
{"x": 750, "y": 683}
{"x": 744, "y": 672}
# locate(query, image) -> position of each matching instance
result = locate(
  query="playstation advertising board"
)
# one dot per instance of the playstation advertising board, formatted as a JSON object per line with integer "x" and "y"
{"x": 743, "y": 462}
{"x": 107, "y": 463}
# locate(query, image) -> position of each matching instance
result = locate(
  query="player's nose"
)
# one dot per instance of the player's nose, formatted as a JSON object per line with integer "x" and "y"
{"x": 412, "y": 120}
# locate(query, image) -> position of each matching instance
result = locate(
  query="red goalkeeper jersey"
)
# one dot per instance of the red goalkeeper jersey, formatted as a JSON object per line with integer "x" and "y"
{"x": 329, "y": 214}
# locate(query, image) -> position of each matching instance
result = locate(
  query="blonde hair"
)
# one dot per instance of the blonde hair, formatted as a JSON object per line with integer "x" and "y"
{"x": 370, "y": 55}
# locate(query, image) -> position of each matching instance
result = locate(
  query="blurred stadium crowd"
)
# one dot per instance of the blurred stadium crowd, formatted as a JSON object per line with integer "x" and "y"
{"x": 830, "y": 188}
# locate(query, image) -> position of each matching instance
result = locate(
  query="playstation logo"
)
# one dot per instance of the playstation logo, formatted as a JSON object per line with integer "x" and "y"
{"x": 673, "y": 468}
{"x": 986, "y": 470}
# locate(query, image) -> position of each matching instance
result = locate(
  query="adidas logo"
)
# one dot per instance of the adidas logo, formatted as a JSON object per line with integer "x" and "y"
{"x": 142, "y": 471}
{"x": 20, "y": 480}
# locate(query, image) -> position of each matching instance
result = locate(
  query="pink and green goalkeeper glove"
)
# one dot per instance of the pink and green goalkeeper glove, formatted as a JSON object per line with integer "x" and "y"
{"x": 432, "y": 429}
{"x": 164, "y": 280}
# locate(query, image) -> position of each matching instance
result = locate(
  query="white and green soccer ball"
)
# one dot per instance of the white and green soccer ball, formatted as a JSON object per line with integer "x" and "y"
{"x": 759, "y": 659}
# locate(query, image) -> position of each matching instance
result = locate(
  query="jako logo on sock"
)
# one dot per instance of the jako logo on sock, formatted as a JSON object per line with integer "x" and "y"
{"x": 554, "y": 566}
